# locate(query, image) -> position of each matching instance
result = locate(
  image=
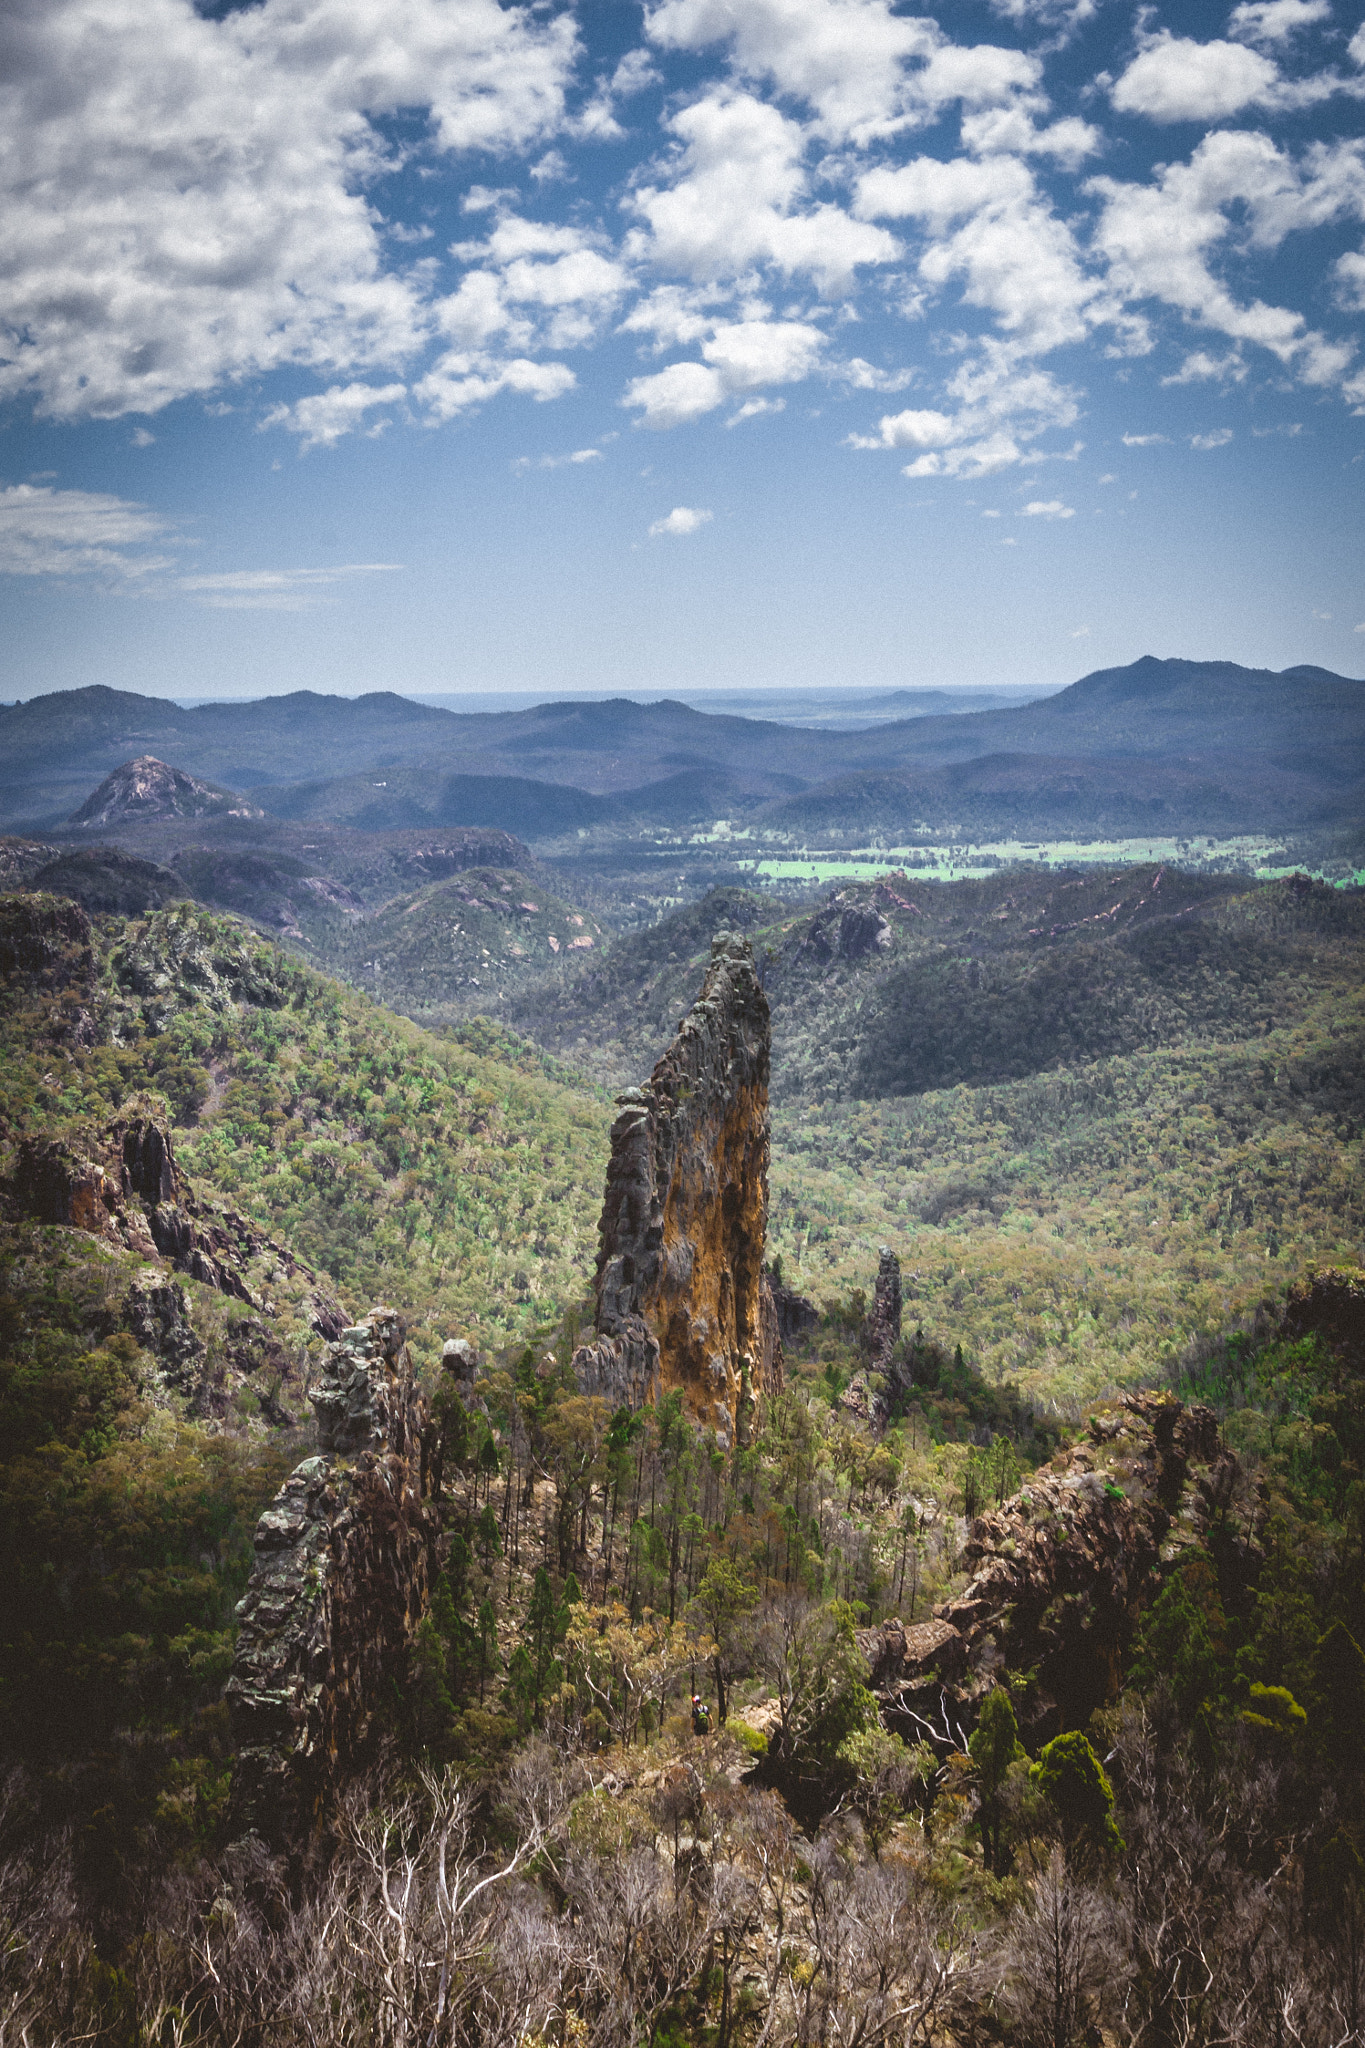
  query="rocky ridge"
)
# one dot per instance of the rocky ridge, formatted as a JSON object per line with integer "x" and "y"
{"x": 681, "y": 1296}
{"x": 121, "y": 1182}
{"x": 344, "y": 1557}
{"x": 1061, "y": 1571}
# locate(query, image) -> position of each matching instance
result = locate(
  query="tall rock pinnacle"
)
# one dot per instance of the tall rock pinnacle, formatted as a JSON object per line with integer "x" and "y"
{"x": 681, "y": 1296}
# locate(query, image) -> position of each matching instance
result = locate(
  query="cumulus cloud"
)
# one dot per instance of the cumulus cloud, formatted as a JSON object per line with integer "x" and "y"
{"x": 275, "y": 590}
{"x": 1275, "y": 21}
{"x": 738, "y": 356}
{"x": 458, "y": 381}
{"x": 181, "y": 200}
{"x": 736, "y": 198}
{"x": 1002, "y": 404}
{"x": 1160, "y": 238}
{"x": 324, "y": 416}
{"x": 1199, "y": 367}
{"x": 1217, "y": 437}
{"x": 1145, "y": 440}
{"x": 987, "y": 224}
{"x": 47, "y": 532}
{"x": 1046, "y": 508}
{"x": 755, "y": 408}
{"x": 1176, "y": 79}
{"x": 683, "y": 519}
{"x": 864, "y": 71}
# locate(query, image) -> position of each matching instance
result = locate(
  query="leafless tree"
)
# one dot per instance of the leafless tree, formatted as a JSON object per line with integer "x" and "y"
{"x": 1061, "y": 1951}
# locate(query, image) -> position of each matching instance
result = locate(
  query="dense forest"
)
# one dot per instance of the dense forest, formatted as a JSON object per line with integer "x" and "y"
{"x": 639, "y": 1781}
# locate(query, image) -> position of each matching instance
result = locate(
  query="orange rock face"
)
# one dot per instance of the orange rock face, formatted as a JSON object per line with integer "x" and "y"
{"x": 681, "y": 1296}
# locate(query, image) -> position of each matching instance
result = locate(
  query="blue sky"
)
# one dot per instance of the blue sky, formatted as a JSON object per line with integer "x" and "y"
{"x": 434, "y": 345}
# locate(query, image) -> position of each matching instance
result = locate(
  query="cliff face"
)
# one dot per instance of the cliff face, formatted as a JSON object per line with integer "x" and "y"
{"x": 343, "y": 1564}
{"x": 122, "y": 1183}
{"x": 1060, "y": 1573}
{"x": 681, "y": 1296}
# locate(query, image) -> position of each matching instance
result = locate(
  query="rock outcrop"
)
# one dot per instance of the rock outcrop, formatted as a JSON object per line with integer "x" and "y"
{"x": 681, "y": 1296}
{"x": 44, "y": 942}
{"x": 148, "y": 788}
{"x": 121, "y": 1182}
{"x": 344, "y": 1556}
{"x": 1061, "y": 1572}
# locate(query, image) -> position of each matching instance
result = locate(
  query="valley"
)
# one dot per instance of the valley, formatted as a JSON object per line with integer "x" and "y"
{"x": 759, "y": 1391}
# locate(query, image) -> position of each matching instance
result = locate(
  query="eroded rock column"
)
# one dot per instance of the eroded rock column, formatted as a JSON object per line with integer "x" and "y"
{"x": 681, "y": 1296}
{"x": 340, "y": 1582}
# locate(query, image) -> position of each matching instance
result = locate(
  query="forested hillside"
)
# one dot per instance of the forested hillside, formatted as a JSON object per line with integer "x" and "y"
{"x": 1106, "y": 1123}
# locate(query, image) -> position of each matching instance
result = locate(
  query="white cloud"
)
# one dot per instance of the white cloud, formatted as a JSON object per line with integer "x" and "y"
{"x": 681, "y": 520}
{"x": 865, "y": 376}
{"x": 459, "y": 380}
{"x": 140, "y": 438}
{"x": 1176, "y": 79}
{"x": 739, "y": 356}
{"x": 181, "y": 200}
{"x": 1046, "y": 508}
{"x": 1218, "y": 437}
{"x": 845, "y": 58}
{"x": 1160, "y": 238}
{"x": 274, "y": 590}
{"x": 755, "y": 408}
{"x": 1002, "y": 404}
{"x": 324, "y": 416}
{"x": 1145, "y": 440}
{"x": 45, "y": 532}
{"x": 1199, "y": 367}
{"x": 734, "y": 202}
{"x": 863, "y": 70}
{"x": 1350, "y": 276}
{"x": 676, "y": 396}
{"x": 575, "y": 459}
{"x": 987, "y": 223}
{"x": 1274, "y": 21}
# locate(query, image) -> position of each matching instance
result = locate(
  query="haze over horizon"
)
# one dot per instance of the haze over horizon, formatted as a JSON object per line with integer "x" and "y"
{"x": 456, "y": 348}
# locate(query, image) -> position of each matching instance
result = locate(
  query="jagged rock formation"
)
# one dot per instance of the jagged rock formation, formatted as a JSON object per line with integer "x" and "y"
{"x": 148, "y": 788}
{"x": 42, "y": 938}
{"x": 796, "y": 1313}
{"x": 344, "y": 1557}
{"x": 682, "y": 1300}
{"x": 846, "y": 930}
{"x": 1061, "y": 1571}
{"x": 158, "y": 1315}
{"x": 122, "y": 1183}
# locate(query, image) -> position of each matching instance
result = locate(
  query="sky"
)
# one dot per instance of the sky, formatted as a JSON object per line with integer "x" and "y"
{"x": 443, "y": 346}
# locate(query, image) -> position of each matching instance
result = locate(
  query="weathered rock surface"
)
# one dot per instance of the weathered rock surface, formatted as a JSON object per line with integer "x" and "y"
{"x": 344, "y": 1556}
{"x": 148, "y": 788}
{"x": 158, "y": 1315}
{"x": 847, "y": 930}
{"x": 1061, "y": 1572}
{"x": 121, "y": 1182}
{"x": 43, "y": 937}
{"x": 796, "y": 1313}
{"x": 682, "y": 1300}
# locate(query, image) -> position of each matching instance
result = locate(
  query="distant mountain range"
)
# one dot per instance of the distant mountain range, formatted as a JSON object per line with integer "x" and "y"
{"x": 1174, "y": 746}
